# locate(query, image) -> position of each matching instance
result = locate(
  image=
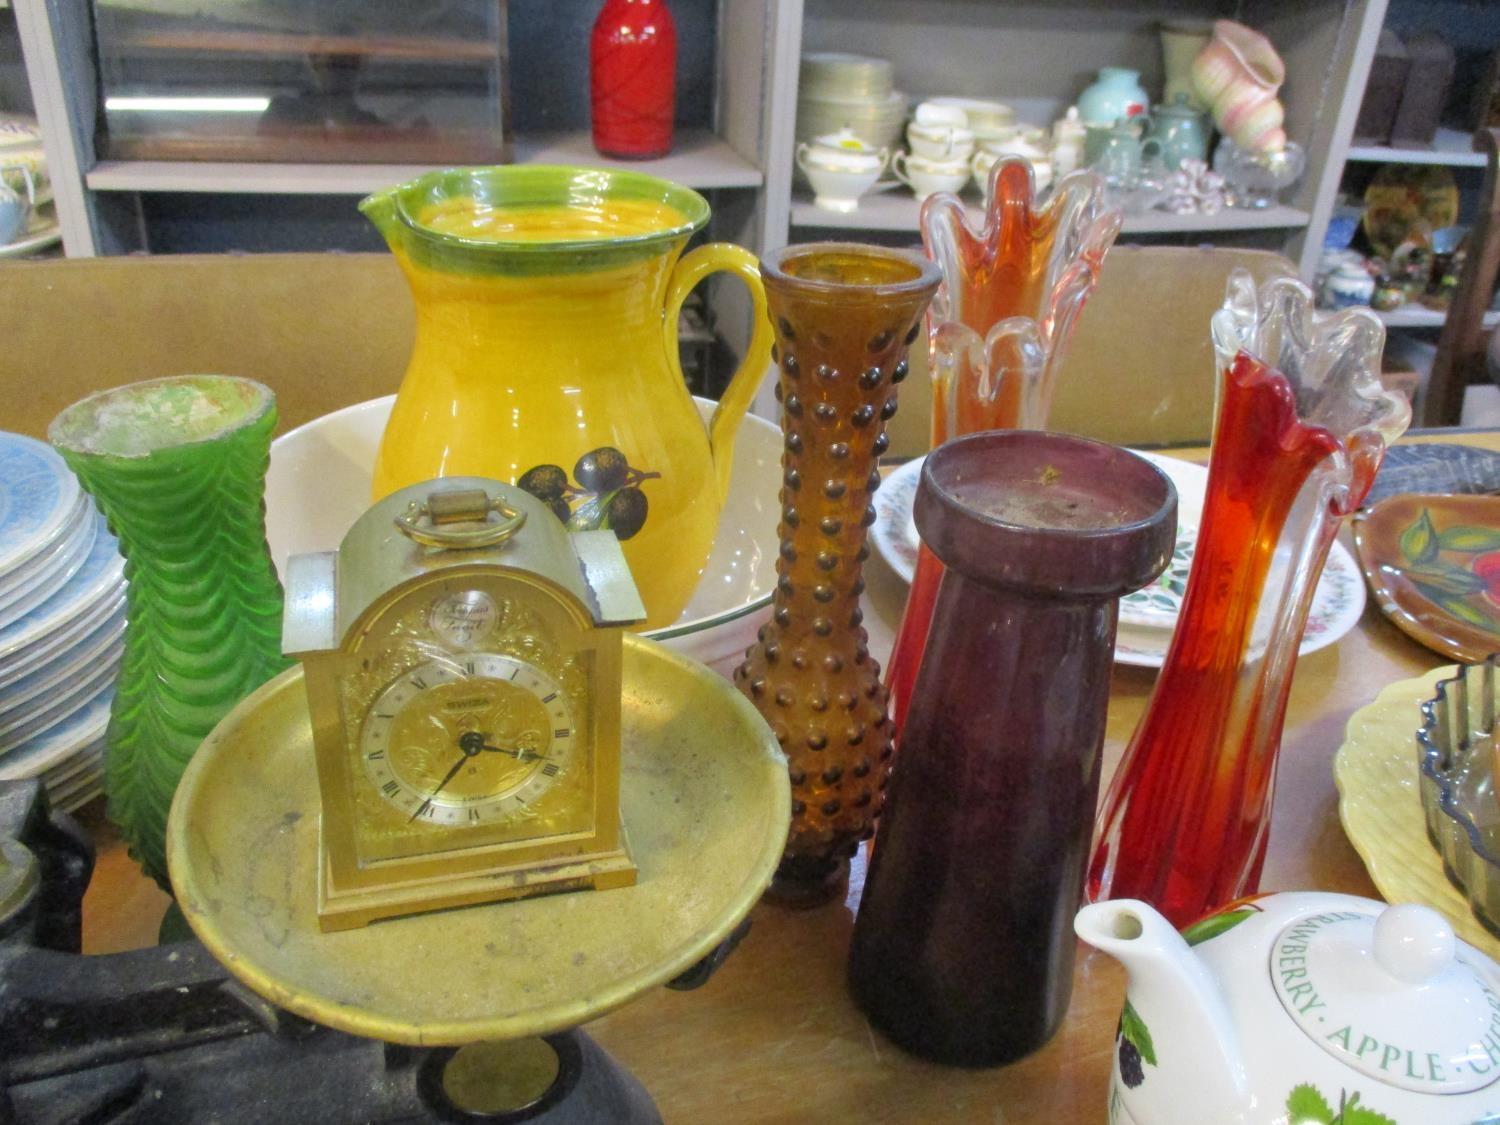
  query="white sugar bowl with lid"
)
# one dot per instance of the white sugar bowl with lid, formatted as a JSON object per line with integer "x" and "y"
{"x": 841, "y": 168}
{"x": 1294, "y": 1009}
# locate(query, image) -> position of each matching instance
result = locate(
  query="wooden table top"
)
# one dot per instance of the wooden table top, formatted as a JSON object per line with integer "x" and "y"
{"x": 774, "y": 1037}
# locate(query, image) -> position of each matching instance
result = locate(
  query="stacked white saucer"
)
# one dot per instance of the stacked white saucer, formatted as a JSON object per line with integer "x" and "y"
{"x": 62, "y": 624}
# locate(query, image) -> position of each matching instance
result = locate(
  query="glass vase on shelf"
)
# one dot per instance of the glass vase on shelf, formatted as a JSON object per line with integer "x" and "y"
{"x": 845, "y": 315}
{"x": 1301, "y": 425}
{"x": 998, "y": 328}
{"x": 633, "y": 79}
{"x": 178, "y": 466}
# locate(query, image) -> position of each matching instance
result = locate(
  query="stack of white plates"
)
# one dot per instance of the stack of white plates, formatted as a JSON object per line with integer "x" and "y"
{"x": 838, "y": 91}
{"x": 62, "y": 624}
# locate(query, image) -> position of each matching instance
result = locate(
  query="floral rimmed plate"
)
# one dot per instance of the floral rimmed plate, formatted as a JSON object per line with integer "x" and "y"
{"x": 1337, "y": 606}
{"x": 1380, "y": 806}
{"x": 1433, "y": 563}
{"x": 1148, "y": 617}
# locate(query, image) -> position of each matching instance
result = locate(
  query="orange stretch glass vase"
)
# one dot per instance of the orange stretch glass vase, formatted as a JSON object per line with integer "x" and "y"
{"x": 998, "y": 329}
{"x": 845, "y": 316}
{"x": 1301, "y": 426}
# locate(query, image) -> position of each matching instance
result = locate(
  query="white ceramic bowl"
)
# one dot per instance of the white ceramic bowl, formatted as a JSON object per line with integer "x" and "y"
{"x": 319, "y": 484}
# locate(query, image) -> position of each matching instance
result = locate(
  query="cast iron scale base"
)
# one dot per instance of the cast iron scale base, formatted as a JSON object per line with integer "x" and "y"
{"x": 165, "y": 1035}
{"x": 413, "y": 1020}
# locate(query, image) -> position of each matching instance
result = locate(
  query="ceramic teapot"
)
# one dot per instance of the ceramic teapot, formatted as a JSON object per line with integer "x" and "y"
{"x": 1294, "y": 1009}
{"x": 546, "y": 355}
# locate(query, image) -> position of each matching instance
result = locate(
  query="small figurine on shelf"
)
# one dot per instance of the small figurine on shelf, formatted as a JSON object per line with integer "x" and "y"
{"x": 633, "y": 78}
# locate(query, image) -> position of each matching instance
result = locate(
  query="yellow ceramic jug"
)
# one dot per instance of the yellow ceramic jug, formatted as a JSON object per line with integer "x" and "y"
{"x": 546, "y": 354}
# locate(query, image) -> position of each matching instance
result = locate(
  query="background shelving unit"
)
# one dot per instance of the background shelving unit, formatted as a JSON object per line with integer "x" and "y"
{"x": 700, "y": 159}
{"x": 738, "y": 94}
{"x": 896, "y": 210}
{"x": 1450, "y": 146}
{"x": 727, "y": 68}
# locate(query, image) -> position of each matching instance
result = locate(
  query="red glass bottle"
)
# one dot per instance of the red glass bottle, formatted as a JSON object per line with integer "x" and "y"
{"x": 633, "y": 78}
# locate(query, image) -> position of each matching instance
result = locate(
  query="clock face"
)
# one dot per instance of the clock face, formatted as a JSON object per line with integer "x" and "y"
{"x": 470, "y": 739}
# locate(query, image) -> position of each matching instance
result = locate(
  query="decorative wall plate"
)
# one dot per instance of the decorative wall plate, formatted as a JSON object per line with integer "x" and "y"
{"x": 1433, "y": 563}
{"x": 1408, "y": 201}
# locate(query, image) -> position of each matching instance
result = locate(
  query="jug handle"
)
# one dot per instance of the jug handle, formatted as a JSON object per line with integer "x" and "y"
{"x": 725, "y": 423}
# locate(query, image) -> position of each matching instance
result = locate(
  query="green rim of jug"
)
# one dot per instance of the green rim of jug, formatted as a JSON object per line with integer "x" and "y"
{"x": 394, "y": 211}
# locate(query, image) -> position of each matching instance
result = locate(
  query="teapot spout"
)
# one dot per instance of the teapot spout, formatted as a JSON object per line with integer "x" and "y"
{"x": 1172, "y": 992}
{"x": 380, "y": 208}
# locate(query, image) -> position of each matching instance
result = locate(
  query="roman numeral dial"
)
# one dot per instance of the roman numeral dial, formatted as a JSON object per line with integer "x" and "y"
{"x": 467, "y": 742}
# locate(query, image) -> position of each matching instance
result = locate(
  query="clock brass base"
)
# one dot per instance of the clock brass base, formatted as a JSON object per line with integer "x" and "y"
{"x": 350, "y": 908}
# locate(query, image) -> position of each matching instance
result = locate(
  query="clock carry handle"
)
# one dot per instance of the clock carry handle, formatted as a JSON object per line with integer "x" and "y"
{"x": 467, "y": 505}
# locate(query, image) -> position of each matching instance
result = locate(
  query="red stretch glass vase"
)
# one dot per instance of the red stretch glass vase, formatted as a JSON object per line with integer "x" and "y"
{"x": 999, "y": 326}
{"x": 1301, "y": 426}
{"x": 633, "y": 78}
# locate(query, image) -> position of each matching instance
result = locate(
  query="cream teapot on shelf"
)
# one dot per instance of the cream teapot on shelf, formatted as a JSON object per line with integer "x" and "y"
{"x": 1300, "y": 1009}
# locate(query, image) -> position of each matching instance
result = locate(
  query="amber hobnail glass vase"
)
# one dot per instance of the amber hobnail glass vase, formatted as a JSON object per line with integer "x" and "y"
{"x": 844, "y": 317}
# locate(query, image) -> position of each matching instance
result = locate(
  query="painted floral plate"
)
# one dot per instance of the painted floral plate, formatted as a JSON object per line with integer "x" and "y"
{"x": 1380, "y": 806}
{"x": 1147, "y": 617}
{"x": 1433, "y": 564}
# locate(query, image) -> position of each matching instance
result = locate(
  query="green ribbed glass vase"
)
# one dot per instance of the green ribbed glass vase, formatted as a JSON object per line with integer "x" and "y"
{"x": 178, "y": 468}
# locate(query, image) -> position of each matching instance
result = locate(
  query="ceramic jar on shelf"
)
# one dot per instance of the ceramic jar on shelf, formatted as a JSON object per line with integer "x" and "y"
{"x": 1181, "y": 131}
{"x": 1116, "y": 93}
{"x": 1238, "y": 74}
{"x": 1181, "y": 40}
{"x": 841, "y": 168}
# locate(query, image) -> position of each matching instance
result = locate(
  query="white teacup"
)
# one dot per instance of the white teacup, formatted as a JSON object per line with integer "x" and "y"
{"x": 940, "y": 142}
{"x": 925, "y": 176}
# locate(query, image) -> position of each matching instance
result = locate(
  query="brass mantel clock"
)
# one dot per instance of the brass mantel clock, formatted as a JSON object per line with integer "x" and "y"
{"x": 462, "y": 658}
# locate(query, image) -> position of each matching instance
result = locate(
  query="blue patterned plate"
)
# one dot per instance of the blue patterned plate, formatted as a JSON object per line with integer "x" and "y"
{"x": 37, "y": 496}
{"x": 23, "y": 724}
{"x": 42, "y": 582}
{"x": 102, "y": 574}
{"x": 71, "y": 736}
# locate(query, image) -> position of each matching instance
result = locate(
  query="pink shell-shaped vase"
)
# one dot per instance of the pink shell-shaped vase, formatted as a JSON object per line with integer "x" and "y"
{"x": 1237, "y": 75}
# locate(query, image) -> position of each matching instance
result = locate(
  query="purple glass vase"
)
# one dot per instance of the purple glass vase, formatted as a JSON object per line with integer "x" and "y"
{"x": 963, "y": 948}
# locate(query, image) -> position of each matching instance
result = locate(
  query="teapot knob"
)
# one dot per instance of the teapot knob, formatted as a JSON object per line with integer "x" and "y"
{"x": 1413, "y": 943}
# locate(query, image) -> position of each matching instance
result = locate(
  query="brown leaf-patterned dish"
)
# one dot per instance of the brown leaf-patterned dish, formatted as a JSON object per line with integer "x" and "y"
{"x": 1433, "y": 564}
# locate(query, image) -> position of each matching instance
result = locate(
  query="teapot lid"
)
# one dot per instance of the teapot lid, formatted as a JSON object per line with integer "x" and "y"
{"x": 1395, "y": 996}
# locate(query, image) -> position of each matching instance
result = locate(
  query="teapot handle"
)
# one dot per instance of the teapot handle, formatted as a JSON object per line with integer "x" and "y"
{"x": 725, "y": 423}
